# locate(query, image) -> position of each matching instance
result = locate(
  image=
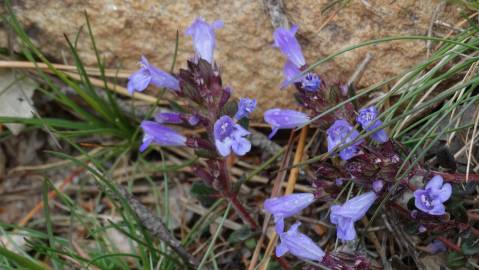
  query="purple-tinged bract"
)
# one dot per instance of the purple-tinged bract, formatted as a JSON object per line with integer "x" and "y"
{"x": 193, "y": 120}
{"x": 149, "y": 74}
{"x": 284, "y": 118}
{"x": 168, "y": 118}
{"x": 230, "y": 136}
{"x": 287, "y": 206}
{"x": 341, "y": 133}
{"x": 162, "y": 135}
{"x": 378, "y": 185}
{"x": 287, "y": 43}
{"x": 299, "y": 245}
{"x": 203, "y": 35}
{"x": 367, "y": 117}
{"x": 351, "y": 211}
{"x": 430, "y": 200}
{"x": 245, "y": 107}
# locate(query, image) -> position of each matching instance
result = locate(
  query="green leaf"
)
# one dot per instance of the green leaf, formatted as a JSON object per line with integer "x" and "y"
{"x": 205, "y": 153}
{"x": 205, "y": 194}
{"x": 240, "y": 235}
{"x": 244, "y": 122}
{"x": 470, "y": 246}
{"x": 21, "y": 260}
{"x": 230, "y": 108}
{"x": 456, "y": 260}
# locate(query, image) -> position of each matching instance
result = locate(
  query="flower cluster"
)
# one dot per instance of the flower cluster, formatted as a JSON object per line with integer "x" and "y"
{"x": 373, "y": 167}
{"x": 208, "y": 105}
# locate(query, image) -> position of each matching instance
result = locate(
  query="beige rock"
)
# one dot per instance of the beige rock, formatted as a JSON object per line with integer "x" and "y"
{"x": 126, "y": 29}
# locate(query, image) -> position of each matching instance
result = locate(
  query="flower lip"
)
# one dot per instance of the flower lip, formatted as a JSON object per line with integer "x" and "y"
{"x": 149, "y": 74}
{"x": 342, "y": 133}
{"x": 351, "y": 211}
{"x": 367, "y": 117}
{"x": 160, "y": 134}
{"x": 245, "y": 107}
{"x": 299, "y": 245}
{"x": 431, "y": 199}
{"x": 229, "y": 136}
{"x": 310, "y": 82}
{"x": 224, "y": 127}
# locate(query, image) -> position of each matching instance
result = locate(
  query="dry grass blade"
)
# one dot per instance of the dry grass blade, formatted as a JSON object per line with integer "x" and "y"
{"x": 51, "y": 195}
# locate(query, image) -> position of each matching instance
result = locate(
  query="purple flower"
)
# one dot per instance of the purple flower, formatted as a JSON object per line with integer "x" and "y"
{"x": 284, "y": 118}
{"x": 147, "y": 74}
{"x": 351, "y": 211}
{"x": 341, "y": 133}
{"x": 311, "y": 82}
{"x": 286, "y": 41}
{"x": 436, "y": 246}
{"x": 229, "y": 135}
{"x": 168, "y": 118}
{"x": 203, "y": 35}
{"x": 299, "y": 245}
{"x": 431, "y": 199}
{"x": 161, "y": 135}
{"x": 367, "y": 117}
{"x": 290, "y": 72}
{"x": 287, "y": 206}
{"x": 245, "y": 107}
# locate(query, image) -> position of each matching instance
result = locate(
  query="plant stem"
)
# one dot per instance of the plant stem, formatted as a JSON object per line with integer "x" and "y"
{"x": 242, "y": 211}
{"x": 452, "y": 177}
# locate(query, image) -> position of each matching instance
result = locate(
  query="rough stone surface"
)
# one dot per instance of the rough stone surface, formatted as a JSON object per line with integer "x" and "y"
{"x": 126, "y": 29}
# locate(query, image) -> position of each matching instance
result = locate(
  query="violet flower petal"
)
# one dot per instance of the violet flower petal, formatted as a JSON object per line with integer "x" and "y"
{"x": 288, "y": 205}
{"x": 367, "y": 117}
{"x": 310, "y": 82}
{"x": 284, "y": 119}
{"x": 344, "y": 216}
{"x": 290, "y": 71}
{"x": 245, "y": 107}
{"x": 435, "y": 183}
{"x": 162, "y": 135}
{"x": 341, "y": 133}
{"x": 445, "y": 192}
{"x": 230, "y": 136}
{"x": 287, "y": 43}
{"x": 430, "y": 200}
{"x": 139, "y": 81}
{"x": 299, "y": 245}
{"x": 241, "y": 146}
{"x": 204, "y": 40}
{"x": 149, "y": 74}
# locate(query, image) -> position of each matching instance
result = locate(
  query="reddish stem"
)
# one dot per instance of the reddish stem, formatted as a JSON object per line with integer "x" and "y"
{"x": 449, "y": 244}
{"x": 455, "y": 177}
{"x": 282, "y": 262}
{"x": 242, "y": 211}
